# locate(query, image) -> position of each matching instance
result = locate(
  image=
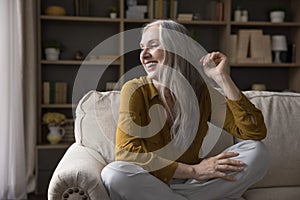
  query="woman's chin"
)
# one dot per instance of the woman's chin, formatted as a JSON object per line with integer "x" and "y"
{"x": 152, "y": 76}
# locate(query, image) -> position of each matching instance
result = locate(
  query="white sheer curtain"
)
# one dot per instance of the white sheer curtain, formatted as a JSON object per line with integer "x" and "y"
{"x": 12, "y": 144}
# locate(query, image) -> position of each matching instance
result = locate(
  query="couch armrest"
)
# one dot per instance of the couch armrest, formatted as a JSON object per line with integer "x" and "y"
{"x": 77, "y": 176}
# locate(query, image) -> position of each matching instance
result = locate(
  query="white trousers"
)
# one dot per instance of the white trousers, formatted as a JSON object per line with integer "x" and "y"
{"x": 124, "y": 180}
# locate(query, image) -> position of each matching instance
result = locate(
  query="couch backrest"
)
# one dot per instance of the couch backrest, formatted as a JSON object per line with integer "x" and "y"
{"x": 96, "y": 123}
{"x": 282, "y": 117}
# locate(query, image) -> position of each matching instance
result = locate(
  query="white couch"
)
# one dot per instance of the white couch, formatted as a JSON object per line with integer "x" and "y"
{"x": 77, "y": 176}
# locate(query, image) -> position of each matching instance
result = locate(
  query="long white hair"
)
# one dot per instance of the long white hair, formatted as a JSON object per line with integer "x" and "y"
{"x": 183, "y": 76}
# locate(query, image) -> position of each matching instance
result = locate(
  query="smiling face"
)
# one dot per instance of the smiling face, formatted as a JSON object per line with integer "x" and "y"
{"x": 152, "y": 54}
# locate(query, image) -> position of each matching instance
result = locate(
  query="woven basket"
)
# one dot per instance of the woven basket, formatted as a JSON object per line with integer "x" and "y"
{"x": 55, "y": 10}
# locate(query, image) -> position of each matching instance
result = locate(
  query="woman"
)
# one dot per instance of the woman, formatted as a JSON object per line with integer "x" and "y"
{"x": 164, "y": 118}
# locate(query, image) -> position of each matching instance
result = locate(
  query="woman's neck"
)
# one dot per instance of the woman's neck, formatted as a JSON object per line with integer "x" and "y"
{"x": 165, "y": 93}
{"x": 162, "y": 91}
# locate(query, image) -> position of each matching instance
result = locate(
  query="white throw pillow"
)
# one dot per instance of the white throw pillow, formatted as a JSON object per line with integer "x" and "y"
{"x": 96, "y": 122}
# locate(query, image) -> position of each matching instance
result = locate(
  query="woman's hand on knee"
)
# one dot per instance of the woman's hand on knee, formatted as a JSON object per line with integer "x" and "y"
{"x": 218, "y": 167}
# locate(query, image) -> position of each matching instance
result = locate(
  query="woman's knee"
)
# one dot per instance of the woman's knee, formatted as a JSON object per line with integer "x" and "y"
{"x": 260, "y": 153}
{"x": 108, "y": 176}
{"x": 256, "y": 157}
{"x": 120, "y": 174}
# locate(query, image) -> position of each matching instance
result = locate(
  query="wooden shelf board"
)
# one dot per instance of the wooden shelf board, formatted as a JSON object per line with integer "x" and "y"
{"x": 58, "y": 105}
{"x": 69, "y": 120}
{"x": 79, "y": 18}
{"x": 103, "y": 62}
{"x": 203, "y": 22}
{"x": 265, "y": 23}
{"x": 137, "y": 20}
{"x": 79, "y": 62}
{"x": 264, "y": 65}
{"x": 61, "y": 62}
{"x": 197, "y": 22}
{"x": 54, "y": 146}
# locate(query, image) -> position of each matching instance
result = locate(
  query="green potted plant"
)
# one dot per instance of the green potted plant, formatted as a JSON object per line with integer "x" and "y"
{"x": 52, "y": 49}
{"x": 113, "y": 12}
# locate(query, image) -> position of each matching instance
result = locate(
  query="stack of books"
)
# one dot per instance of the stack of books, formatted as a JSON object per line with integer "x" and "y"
{"x": 54, "y": 92}
{"x": 164, "y": 9}
{"x": 215, "y": 10}
{"x": 69, "y": 131}
{"x": 250, "y": 46}
{"x": 111, "y": 86}
{"x": 81, "y": 7}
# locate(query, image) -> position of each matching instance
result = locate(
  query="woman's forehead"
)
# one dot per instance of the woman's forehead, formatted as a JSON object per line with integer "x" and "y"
{"x": 151, "y": 33}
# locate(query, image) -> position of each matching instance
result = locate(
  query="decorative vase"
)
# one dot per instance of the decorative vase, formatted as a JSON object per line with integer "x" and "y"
{"x": 55, "y": 134}
{"x": 52, "y": 53}
{"x": 277, "y": 16}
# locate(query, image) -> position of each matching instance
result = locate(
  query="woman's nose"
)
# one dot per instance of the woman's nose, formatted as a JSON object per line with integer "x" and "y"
{"x": 145, "y": 53}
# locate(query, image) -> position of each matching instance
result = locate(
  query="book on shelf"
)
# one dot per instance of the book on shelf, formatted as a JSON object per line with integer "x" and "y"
{"x": 232, "y": 50}
{"x": 164, "y": 9}
{"x": 260, "y": 46}
{"x": 46, "y": 93}
{"x": 111, "y": 86}
{"x": 185, "y": 17}
{"x": 54, "y": 92}
{"x": 253, "y": 47}
{"x": 60, "y": 93}
{"x": 219, "y": 11}
{"x": 173, "y": 9}
{"x": 158, "y": 9}
{"x": 215, "y": 10}
{"x": 69, "y": 131}
{"x": 81, "y": 7}
{"x": 267, "y": 51}
{"x": 150, "y": 9}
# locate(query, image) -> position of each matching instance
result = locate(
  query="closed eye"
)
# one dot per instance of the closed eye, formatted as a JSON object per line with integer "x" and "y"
{"x": 151, "y": 45}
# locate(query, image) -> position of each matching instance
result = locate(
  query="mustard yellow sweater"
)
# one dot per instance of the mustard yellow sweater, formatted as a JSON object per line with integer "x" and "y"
{"x": 243, "y": 120}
